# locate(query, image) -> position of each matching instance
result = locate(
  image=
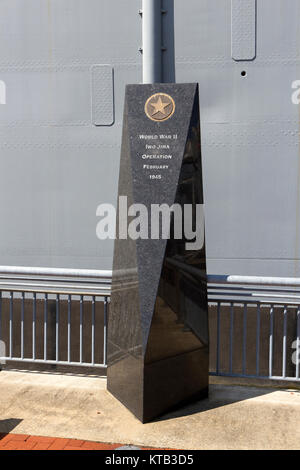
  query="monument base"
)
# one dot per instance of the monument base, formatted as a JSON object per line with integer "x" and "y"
{"x": 168, "y": 385}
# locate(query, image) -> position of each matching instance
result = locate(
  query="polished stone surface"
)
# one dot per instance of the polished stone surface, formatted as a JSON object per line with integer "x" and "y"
{"x": 158, "y": 322}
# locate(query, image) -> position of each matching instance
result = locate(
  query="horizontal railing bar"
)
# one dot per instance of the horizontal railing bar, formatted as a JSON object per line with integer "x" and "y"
{"x": 40, "y": 271}
{"x": 52, "y": 286}
{"x": 260, "y": 377}
{"x": 48, "y": 361}
{"x": 251, "y": 302}
{"x": 104, "y": 293}
{"x": 253, "y": 280}
{"x": 55, "y": 279}
{"x": 246, "y": 295}
{"x": 279, "y": 296}
{"x": 249, "y": 289}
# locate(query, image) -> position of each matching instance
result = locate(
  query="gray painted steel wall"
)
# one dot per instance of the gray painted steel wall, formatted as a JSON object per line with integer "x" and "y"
{"x": 60, "y": 129}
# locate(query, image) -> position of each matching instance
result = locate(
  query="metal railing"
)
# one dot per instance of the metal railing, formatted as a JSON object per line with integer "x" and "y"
{"x": 54, "y": 316}
{"x": 59, "y": 317}
{"x": 263, "y": 320}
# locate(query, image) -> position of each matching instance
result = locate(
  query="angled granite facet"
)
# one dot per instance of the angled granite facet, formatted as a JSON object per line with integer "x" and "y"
{"x": 158, "y": 321}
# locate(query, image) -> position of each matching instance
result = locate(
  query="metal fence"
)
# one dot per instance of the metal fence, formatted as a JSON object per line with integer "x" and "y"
{"x": 256, "y": 328}
{"x": 59, "y": 318}
{"x": 54, "y": 317}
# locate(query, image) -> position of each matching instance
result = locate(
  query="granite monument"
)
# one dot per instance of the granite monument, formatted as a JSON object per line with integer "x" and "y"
{"x": 158, "y": 319}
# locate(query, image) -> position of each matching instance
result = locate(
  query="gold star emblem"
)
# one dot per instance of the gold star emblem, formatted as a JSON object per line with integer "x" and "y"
{"x": 159, "y": 107}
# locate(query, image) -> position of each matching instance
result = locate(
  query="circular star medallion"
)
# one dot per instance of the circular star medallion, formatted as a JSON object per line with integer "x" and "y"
{"x": 160, "y": 107}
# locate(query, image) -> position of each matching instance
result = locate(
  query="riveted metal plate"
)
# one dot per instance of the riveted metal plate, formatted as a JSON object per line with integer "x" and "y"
{"x": 102, "y": 95}
{"x": 243, "y": 29}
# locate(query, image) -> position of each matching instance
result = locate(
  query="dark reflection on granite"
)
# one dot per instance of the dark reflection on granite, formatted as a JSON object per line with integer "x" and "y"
{"x": 158, "y": 324}
{"x": 125, "y": 358}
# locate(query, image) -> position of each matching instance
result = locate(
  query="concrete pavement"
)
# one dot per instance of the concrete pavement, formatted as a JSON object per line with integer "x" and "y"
{"x": 79, "y": 407}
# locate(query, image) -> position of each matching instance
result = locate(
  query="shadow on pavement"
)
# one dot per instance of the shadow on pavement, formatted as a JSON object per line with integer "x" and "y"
{"x": 219, "y": 396}
{"x": 7, "y": 425}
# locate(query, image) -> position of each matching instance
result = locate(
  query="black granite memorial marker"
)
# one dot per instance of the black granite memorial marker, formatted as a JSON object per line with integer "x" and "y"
{"x": 158, "y": 321}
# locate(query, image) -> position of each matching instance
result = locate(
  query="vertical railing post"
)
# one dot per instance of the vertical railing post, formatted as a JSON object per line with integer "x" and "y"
{"x": 57, "y": 328}
{"x": 69, "y": 327}
{"x": 33, "y": 325}
{"x": 231, "y": 337}
{"x": 244, "y": 339}
{"x": 22, "y": 324}
{"x": 80, "y": 328}
{"x": 93, "y": 328}
{"x": 271, "y": 338}
{"x": 45, "y": 325}
{"x": 284, "y": 342}
{"x": 218, "y": 337}
{"x": 0, "y": 315}
{"x": 11, "y": 299}
{"x": 258, "y": 339}
{"x": 105, "y": 332}
{"x": 298, "y": 344}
